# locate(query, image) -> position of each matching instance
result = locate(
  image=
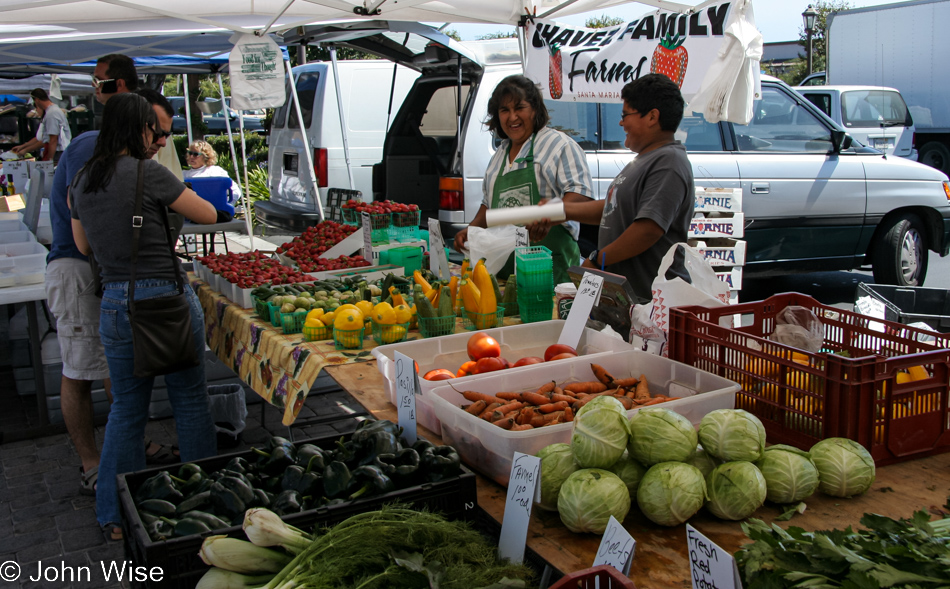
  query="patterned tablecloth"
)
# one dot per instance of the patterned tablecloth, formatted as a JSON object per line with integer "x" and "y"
{"x": 280, "y": 368}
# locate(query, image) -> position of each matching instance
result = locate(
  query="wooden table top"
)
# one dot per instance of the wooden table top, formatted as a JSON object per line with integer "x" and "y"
{"x": 660, "y": 559}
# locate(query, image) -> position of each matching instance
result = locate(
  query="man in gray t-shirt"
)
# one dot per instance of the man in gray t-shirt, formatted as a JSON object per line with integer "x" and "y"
{"x": 650, "y": 203}
{"x": 53, "y": 132}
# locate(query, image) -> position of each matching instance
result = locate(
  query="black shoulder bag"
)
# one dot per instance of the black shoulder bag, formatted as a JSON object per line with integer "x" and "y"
{"x": 162, "y": 338}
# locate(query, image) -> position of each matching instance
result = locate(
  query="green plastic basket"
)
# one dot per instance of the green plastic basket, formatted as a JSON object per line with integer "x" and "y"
{"x": 534, "y": 308}
{"x": 536, "y": 282}
{"x": 536, "y": 258}
{"x": 404, "y": 226}
{"x": 316, "y": 334}
{"x": 478, "y": 321}
{"x": 261, "y": 308}
{"x": 351, "y": 217}
{"x": 292, "y": 322}
{"x": 390, "y": 334}
{"x": 436, "y": 326}
{"x": 274, "y": 314}
{"x": 348, "y": 339}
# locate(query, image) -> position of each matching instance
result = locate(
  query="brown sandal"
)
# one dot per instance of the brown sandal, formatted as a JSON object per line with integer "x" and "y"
{"x": 112, "y": 532}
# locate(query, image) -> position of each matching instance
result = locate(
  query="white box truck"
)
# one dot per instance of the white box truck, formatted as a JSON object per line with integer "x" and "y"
{"x": 901, "y": 46}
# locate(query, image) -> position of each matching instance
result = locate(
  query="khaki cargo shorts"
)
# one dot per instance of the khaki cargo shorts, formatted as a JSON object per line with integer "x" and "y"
{"x": 69, "y": 293}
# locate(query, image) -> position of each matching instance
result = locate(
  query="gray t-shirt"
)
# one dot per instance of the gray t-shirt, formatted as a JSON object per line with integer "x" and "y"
{"x": 55, "y": 123}
{"x": 106, "y": 217}
{"x": 658, "y": 186}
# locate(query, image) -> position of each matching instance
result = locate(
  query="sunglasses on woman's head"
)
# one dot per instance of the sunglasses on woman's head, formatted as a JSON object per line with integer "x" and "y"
{"x": 194, "y": 153}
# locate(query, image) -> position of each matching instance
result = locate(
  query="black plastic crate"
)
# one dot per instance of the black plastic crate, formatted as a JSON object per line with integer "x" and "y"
{"x": 910, "y": 304}
{"x": 178, "y": 557}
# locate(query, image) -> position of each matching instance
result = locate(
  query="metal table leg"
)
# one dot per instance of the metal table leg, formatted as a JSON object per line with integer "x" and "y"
{"x": 36, "y": 353}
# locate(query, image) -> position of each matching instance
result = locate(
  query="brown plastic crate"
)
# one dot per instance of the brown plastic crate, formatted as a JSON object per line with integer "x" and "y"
{"x": 804, "y": 397}
{"x": 603, "y": 576}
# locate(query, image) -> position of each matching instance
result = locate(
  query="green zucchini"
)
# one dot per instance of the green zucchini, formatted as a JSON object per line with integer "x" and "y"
{"x": 445, "y": 303}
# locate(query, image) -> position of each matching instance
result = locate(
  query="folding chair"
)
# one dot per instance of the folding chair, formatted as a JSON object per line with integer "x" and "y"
{"x": 217, "y": 191}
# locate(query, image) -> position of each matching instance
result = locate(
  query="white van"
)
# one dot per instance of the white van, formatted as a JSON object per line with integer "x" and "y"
{"x": 876, "y": 116}
{"x": 366, "y": 87}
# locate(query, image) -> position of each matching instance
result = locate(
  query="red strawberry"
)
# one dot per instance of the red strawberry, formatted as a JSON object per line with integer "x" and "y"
{"x": 670, "y": 58}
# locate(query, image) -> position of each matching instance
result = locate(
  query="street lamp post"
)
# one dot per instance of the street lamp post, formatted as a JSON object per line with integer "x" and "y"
{"x": 809, "y": 18}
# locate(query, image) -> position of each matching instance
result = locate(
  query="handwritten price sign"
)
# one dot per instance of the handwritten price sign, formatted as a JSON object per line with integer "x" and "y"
{"x": 710, "y": 566}
{"x": 616, "y": 547}
{"x": 588, "y": 293}
{"x": 522, "y": 486}
{"x": 406, "y": 387}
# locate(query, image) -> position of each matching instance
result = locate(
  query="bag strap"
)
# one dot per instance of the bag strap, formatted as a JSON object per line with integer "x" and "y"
{"x": 137, "y": 221}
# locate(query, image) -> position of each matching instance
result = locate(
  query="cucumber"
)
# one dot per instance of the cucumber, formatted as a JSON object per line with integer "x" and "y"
{"x": 494, "y": 286}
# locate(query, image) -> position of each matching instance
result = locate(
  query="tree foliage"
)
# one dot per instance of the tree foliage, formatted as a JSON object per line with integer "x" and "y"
{"x": 511, "y": 34}
{"x": 603, "y": 21}
{"x": 818, "y": 38}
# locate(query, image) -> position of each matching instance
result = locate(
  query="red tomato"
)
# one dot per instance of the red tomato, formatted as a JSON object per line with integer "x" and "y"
{"x": 489, "y": 365}
{"x": 439, "y": 374}
{"x": 562, "y": 356}
{"x": 481, "y": 345}
{"x": 527, "y": 360}
{"x": 554, "y": 350}
{"x": 467, "y": 369}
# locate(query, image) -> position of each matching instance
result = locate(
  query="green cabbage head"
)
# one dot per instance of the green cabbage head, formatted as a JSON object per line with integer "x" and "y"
{"x": 630, "y": 472}
{"x": 557, "y": 463}
{"x": 600, "y": 437}
{"x": 732, "y": 434}
{"x": 790, "y": 475}
{"x": 589, "y": 497}
{"x": 845, "y": 467}
{"x": 703, "y": 461}
{"x": 671, "y": 492}
{"x": 602, "y": 402}
{"x": 736, "y": 490}
{"x": 660, "y": 435}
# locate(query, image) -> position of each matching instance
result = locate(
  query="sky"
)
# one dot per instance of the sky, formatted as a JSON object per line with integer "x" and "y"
{"x": 778, "y": 20}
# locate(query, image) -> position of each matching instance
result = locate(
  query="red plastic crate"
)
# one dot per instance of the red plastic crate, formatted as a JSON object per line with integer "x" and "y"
{"x": 804, "y": 397}
{"x": 602, "y": 577}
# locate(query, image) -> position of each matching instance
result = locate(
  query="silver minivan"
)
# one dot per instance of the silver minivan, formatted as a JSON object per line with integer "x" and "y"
{"x": 813, "y": 198}
{"x": 874, "y": 115}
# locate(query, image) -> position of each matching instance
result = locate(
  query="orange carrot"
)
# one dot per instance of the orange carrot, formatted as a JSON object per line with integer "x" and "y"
{"x": 627, "y": 383}
{"x": 588, "y": 387}
{"x": 643, "y": 388}
{"x": 568, "y": 414}
{"x": 488, "y": 411}
{"x": 535, "y": 398}
{"x": 504, "y": 422}
{"x": 525, "y": 415}
{"x": 627, "y": 402}
{"x": 521, "y": 427}
{"x": 555, "y": 398}
{"x": 557, "y": 391}
{"x": 654, "y": 401}
{"x": 509, "y": 396}
{"x": 552, "y": 407}
{"x": 497, "y": 414}
{"x": 509, "y": 407}
{"x": 601, "y": 374}
{"x": 554, "y": 417}
{"x": 539, "y": 420}
{"x": 547, "y": 388}
{"x": 476, "y": 408}
{"x": 476, "y": 396}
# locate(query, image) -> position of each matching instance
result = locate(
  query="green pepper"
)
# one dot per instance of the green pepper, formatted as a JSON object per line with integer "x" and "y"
{"x": 189, "y": 478}
{"x": 376, "y": 443}
{"x": 310, "y": 457}
{"x": 287, "y": 502}
{"x": 402, "y": 467}
{"x": 346, "y": 452}
{"x": 157, "y": 507}
{"x": 262, "y": 498}
{"x": 212, "y": 521}
{"x": 279, "y": 458}
{"x": 196, "y": 501}
{"x": 305, "y": 483}
{"x": 372, "y": 481}
{"x": 147, "y": 518}
{"x": 188, "y": 526}
{"x": 422, "y": 445}
{"x": 203, "y": 486}
{"x": 441, "y": 462}
{"x": 159, "y": 486}
{"x": 337, "y": 480}
{"x": 365, "y": 428}
{"x": 161, "y": 529}
{"x": 237, "y": 483}
{"x": 226, "y": 501}
{"x": 238, "y": 464}
{"x": 279, "y": 442}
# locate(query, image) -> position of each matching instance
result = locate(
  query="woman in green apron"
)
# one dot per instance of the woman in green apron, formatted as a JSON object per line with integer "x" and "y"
{"x": 533, "y": 163}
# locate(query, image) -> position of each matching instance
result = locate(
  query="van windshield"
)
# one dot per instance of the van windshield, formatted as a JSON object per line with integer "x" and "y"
{"x": 874, "y": 108}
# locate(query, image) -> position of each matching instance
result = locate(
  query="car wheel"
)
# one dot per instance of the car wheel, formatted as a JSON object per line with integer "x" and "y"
{"x": 936, "y": 155}
{"x": 900, "y": 258}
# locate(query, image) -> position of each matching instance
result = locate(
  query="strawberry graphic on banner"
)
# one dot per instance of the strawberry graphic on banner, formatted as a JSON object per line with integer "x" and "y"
{"x": 670, "y": 59}
{"x": 555, "y": 83}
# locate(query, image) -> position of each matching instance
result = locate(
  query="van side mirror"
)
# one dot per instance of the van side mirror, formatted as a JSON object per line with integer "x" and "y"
{"x": 840, "y": 140}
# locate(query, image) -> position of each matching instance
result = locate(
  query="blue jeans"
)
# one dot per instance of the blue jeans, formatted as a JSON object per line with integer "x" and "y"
{"x": 123, "y": 449}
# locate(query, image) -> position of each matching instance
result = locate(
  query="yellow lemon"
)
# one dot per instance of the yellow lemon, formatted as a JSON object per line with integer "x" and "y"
{"x": 393, "y": 333}
{"x": 348, "y": 319}
{"x": 366, "y": 308}
{"x": 403, "y": 314}
{"x": 384, "y": 314}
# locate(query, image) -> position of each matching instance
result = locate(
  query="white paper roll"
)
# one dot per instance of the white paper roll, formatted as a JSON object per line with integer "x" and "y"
{"x": 525, "y": 215}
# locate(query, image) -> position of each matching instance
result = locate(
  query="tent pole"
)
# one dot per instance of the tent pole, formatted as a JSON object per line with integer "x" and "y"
{"x": 306, "y": 143}
{"x": 339, "y": 104}
{"x": 247, "y": 217}
{"x": 245, "y": 197}
{"x": 184, "y": 78}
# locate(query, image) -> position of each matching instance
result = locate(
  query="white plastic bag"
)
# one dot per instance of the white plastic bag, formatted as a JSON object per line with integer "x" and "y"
{"x": 649, "y": 323}
{"x": 494, "y": 244}
{"x": 257, "y": 73}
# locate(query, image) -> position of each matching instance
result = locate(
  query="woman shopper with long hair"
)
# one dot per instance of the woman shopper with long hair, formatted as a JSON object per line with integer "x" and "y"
{"x": 102, "y": 199}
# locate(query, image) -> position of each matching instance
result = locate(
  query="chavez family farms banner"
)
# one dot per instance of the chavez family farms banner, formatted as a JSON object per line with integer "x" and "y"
{"x": 712, "y": 53}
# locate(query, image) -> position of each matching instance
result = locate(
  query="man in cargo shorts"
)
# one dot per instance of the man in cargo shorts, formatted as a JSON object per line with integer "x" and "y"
{"x": 70, "y": 286}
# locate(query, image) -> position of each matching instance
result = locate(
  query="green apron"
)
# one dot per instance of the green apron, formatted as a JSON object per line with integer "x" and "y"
{"x": 519, "y": 188}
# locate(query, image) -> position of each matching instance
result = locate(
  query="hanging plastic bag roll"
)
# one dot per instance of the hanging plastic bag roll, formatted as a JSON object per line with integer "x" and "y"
{"x": 554, "y": 211}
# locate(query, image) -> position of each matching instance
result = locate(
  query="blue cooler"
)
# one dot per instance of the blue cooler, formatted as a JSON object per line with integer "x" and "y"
{"x": 217, "y": 191}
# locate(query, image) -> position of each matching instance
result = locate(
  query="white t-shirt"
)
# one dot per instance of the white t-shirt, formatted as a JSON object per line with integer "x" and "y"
{"x": 55, "y": 123}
